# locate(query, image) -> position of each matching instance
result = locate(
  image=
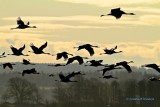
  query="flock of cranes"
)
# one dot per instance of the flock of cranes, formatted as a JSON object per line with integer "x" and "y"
{"x": 70, "y": 58}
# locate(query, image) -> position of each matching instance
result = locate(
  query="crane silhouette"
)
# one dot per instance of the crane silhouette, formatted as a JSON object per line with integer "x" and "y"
{"x": 39, "y": 50}
{"x": 9, "y": 65}
{"x": 109, "y": 68}
{"x": 17, "y": 52}
{"x": 66, "y": 78}
{"x": 117, "y": 13}
{"x": 27, "y": 62}
{"x": 88, "y": 47}
{"x": 125, "y": 65}
{"x": 3, "y": 55}
{"x": 153, "y": 66}
{"x": 57, "y": 65}
{"x": 30, "y": 71}
{"x": 62, "y": 54}
{"x": 21, "y": 24}
{"x": 109, "y": 77}
{"x": 95, "y": 63}
{"x": 78, "y": 58}
{"x": 110, "y": 51}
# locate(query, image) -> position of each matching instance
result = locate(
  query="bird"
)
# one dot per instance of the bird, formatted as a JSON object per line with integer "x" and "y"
{"x": 57, "y": 65}
{"x": 26, "y": 62}
{"x": 88, "y": 47}
{"x": 3, "y": 55}
{"x": 78, "y": 58}
{"x": 109, "y": 68}
{"x": 62, "y": 54}
{"x": 17, "y": 52}
{"x": 110, "y": 51}
{"x": 30, "y": 71}
{"x": 95, "y": 63}
{"x": 21, "y": 24}
{"x": 154, "y": 79}
{"x": 125, "y": 65}
{"x": 9, "y": 65}
{"x": 66, "y": 78}
{"x": 117, "y": 13}
{"x": 108, "y": 77}
{"x": 39, "y": 50}
{"x": 153, "y": 66}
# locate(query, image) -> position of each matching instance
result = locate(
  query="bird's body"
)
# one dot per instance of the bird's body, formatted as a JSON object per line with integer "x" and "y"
{"x": 95, "y": 63}
{"x": 117, "y": 13}
{"x": 29, "y": 71}
{"x": 63, "y": 54}
{"x": 125, "y": 65}
{"x": 111, "y": 51}
{"x": 39, "y": 50}
{"x": 66, "y": 78}
{"x": 9, "y": 65}
{"x": 78, "y": 58}
{"x": 17, "y": 52}
{"x": 109, "y": 68}
{"x": 21, "y": 24}
{"x": 153, "y": 66}
{"x": 88, "y": 47}
{"x": 27, "y": 62}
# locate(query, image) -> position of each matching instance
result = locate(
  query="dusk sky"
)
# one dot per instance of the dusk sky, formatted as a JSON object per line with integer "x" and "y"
{"x": 68, "y": 23}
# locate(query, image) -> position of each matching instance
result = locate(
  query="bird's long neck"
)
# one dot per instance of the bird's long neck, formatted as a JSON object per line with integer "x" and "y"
{"x": 32, "y": 27}
{"x": 118, "y": 52}
{"x": 14, "y": 28}
{"x": 129, "y": 13}
{"x": 95, "y": 46}
{"x": 103, "y": 15}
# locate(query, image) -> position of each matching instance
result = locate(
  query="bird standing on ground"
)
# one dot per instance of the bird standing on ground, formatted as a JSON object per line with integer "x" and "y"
{"x": 17, "y": 52}
{"x": 62, "y": 54}
{"x": 39, "y": 50}
{"x": 21, "y": 24}
{"x": 117, "y": 13}
{"x": 110, "y": 51}
{"x": 78, "y": 58}
{"x": 88, "y": 47}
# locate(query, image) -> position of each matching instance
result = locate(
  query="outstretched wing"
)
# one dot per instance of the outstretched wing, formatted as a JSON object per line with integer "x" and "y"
{"x": 90, "y": 50}
{"x": 34, "y": 48}
{"x": 13, "y": 49}
{"x": 65, "y": 56}
{"x": 19, "y": 21}
{"x": 79, "y": 59}
{"x": 62, "y": 77}
{"x": 70, "y": 60}
{"x": 59, "y": 56}
{"x": 43, "y": 46}
{"x": 22, "y": 48}
{"x": 127, "y": 67}
{"x": 114, "y": 48}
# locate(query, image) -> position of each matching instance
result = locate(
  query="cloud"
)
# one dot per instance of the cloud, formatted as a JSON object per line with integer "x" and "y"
{"x": 109, "y": 3}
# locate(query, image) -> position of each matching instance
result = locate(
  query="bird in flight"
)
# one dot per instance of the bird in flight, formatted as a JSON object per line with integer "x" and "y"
{"x": 110, "y": 51}
{"x": 39, "y": 50}
{"x": 78, "y": 58}
{"x": 30, "y": 71}
{"x": 57, "y": 65}
{"x": 88, "y": 47}
{"x": 109, "y": 68}
{"x": 21, "y": 24}
{"x": 117, "y": 13}
{"x": 9, "y": 65}
{"x": 154, "y": 79}
{"x": 17, "y": 52}
{"x": 66, "y": 78}
{"x": 95, "y": 63}
{"x": 153, "y": 66}
{"x": 62, "y": 54}
{"x": 27, "y": 62}
{"x": 125, "y": 65}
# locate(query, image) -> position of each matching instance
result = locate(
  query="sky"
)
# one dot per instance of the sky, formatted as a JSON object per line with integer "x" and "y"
{"x": 68, "y": 23}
